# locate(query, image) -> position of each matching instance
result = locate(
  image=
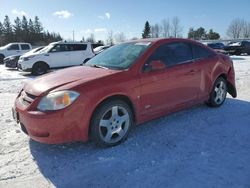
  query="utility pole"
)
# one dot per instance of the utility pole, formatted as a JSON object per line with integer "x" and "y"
{"x": 73, "y": 36}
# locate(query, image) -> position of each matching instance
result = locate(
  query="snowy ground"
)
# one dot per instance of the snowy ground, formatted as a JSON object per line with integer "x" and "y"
{"x": 199, "y": 147}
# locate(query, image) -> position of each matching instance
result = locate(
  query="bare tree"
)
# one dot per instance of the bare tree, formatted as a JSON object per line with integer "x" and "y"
{"x": 235, "y": 28}
{"x": 166, "y": 28}
{"x": 91, "y": 38}
{"x": 120, "y": 37}
{"x": 176, "y": 27}
{"x": 246, "y": 30}
{"x": 156, "y": 31}
{"x": 110, "y": 38}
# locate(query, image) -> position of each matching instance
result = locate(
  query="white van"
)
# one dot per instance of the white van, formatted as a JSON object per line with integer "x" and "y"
{"x": 14, "y": 49}
{"x": 56, "y": 55}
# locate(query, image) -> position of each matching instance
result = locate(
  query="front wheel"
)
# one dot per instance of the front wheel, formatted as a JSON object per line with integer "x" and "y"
{"x": 111, "y": 123}
{"x": 219, "y": 93}
{"x": 39, "y": 68}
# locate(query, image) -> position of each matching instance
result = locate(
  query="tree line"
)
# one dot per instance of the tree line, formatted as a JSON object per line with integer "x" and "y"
{"x": 26, "y": 30}
{"x": 238, "y": 28}
{"x": 165, "y": 29}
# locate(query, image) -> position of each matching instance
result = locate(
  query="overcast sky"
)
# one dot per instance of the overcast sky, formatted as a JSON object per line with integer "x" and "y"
{"x": 128, "y": 16}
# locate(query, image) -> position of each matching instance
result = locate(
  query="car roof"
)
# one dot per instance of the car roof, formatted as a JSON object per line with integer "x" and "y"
{"x": 65, "y": 42}
{"x": 19, "y": 43}
{"x": 155, "y": 40}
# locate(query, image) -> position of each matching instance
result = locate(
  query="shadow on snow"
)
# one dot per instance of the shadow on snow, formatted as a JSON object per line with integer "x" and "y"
{"x": 199, "y": 147}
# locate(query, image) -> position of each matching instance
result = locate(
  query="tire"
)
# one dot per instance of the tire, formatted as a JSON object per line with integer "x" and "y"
{"x": 237, "y": 52}
{"x": 39, "y": 68}
{"x": 1, "y": 58}
{"x": 111, "y": 123}
{"x": 219, "y": 93}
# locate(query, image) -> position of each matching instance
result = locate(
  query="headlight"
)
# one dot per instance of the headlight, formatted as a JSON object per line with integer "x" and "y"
{"x": 28, "y": 58}
{"x": 57, "y": 100}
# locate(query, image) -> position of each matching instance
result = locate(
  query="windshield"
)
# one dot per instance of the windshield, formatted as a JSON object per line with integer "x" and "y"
{"x": 119, "y": 57}
{"x": 46, "y": 48}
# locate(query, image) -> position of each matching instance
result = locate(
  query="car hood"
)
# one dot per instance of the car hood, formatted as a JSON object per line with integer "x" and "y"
{"x": 46, "y": 83}
{"x": 27, "y": 54}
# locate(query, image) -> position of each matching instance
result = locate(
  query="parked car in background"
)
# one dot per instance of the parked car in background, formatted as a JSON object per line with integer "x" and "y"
{"x": 238, "y": 48}
{"x": 218, "y": 47}
{"x": 56, "y": 55}
{"x": 11, "y": 61}
{"x": 127, "y": 84}
{"x": 100, "y": 49}
{"x": 14, "y": 49}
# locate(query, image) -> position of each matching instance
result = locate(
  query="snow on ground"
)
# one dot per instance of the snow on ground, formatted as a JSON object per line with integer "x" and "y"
{"x": 198, "y": 147}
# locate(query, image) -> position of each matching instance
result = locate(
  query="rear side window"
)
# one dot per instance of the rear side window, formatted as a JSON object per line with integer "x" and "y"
{"x": 14, "y": 47}
{"x": 60, "y": 48}
{"x": 25, "y": 47}
{"x": 201, "y": 52}
{"x": 77, "y": 47}
{"x": 173, "y": 53}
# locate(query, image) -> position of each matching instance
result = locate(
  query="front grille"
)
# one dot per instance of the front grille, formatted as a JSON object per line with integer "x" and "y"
{"x": 27, "y": 98}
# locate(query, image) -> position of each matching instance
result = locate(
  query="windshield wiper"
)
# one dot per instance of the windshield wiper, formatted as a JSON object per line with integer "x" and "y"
{"x": 98, "y": 66}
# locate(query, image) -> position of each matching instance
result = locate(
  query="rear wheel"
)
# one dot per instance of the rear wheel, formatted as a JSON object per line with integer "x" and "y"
{"x": 237, "y": 52}
{"x": 219, "y": 93}
{"x": 39, "y": 68}
{"x": 111, "y": 123}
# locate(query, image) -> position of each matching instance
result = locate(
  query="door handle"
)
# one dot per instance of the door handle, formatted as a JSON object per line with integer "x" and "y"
{"x": 191, "y": 72}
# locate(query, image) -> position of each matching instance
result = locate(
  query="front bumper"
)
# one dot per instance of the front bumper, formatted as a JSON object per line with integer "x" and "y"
{"x": 57, "y": 127}
{"x": 10, "y": 63}
{"x": 23, "y": 68}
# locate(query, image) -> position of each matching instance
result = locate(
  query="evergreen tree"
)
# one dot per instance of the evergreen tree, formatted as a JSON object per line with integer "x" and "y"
{"x": 146, "y": 31}
{"x": 38, "y": 25}
{"x": 38, "y": 28}
{"x": 31, "y": 31}
{"x": 1, "y": 29}
{"x": 25, "y": 29}
{"x": 213, "y": 35}
{"x": 7, "y": 29}
{"x": 17, "y": 29}
{"x": 1, "y": 34}
{"x": 201, "y": 34}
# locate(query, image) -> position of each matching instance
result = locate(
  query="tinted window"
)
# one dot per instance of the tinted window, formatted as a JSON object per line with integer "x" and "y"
{"x": 14, "y": 47}
{"x": 60, "y": 48}
{"x": 77, "y": 47}
{"x": 25, "y": 46}
{"x": 245, "y": 43}
{"x": 201, "y": 52}
{"x": 172, "y": 53}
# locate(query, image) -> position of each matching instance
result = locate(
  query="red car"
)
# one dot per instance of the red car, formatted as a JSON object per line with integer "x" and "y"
{"x": 127, "y": 84}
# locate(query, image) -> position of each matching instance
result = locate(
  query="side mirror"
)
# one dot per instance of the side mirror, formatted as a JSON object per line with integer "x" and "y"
{"x": 154, "y": 66}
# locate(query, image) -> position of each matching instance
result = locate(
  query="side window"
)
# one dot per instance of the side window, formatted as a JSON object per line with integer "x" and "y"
{"x": 172, "y": 53}
{"x": 13, "y": 47}
{"x": 200, "y": 52}
{"x": 25, "y": 47}
{"x": 60, "y": 48}
{"x": 80, "y": 47}
{"x": 247, "y": 44}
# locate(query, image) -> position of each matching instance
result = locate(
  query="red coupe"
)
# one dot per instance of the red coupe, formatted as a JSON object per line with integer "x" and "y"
{"x": 127, "y": 84}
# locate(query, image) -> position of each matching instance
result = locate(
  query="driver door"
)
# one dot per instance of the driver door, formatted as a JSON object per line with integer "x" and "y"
{"x": 168, "y": 89}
